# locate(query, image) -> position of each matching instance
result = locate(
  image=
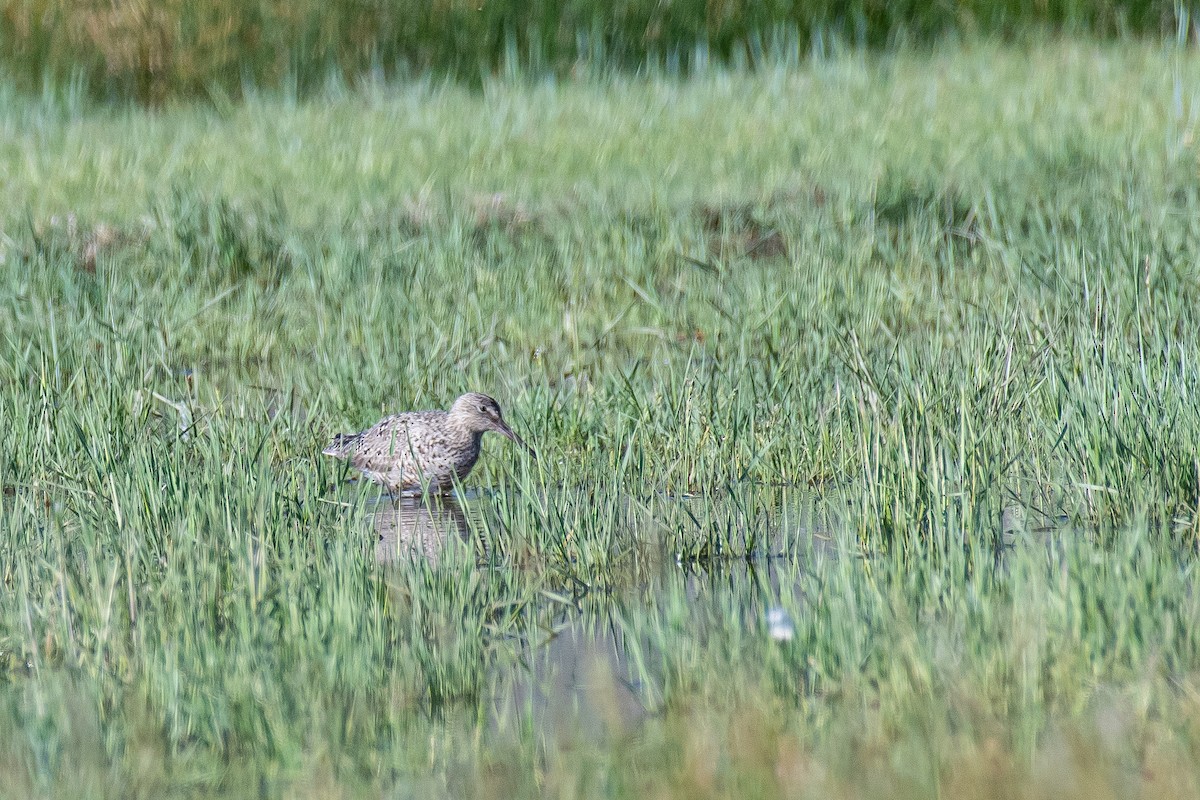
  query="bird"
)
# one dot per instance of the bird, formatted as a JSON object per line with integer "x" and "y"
{"x": 424, "y": 450}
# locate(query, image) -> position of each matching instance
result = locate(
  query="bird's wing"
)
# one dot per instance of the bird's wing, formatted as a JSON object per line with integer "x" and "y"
{"x": 380, "y": 447}
{"x": 391, "y": 441}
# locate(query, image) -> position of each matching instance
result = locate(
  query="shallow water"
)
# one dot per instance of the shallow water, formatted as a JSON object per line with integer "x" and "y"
{"x": 575, "y": 671}
{"x": 580, "y": 681}
{"x": 416, "y": 527}
{"x": 571, "y": 673}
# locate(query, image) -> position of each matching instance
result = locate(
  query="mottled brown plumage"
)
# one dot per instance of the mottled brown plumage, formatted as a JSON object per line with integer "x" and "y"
{"x": 424, "y": 449}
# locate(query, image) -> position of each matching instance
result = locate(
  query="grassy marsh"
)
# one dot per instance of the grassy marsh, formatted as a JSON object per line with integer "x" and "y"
{"x": 887, "y": 300}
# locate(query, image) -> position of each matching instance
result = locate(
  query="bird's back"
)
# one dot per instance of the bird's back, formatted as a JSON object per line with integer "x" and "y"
{"x": 368, "y": 441}
{"x": 410, "y": 449}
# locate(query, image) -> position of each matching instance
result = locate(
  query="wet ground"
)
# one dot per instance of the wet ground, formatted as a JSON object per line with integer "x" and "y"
{"x": 575, "y": 673}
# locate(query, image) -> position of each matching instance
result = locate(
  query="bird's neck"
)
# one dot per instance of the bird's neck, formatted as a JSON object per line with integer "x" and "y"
{"x": 465, "y": 436}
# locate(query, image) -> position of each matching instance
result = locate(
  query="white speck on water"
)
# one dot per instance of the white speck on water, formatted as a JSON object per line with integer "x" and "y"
{"x": 779, "y": 625}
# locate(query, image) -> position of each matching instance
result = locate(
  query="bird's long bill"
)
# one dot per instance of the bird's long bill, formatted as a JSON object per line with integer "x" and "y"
{"x": 507, "y": 431}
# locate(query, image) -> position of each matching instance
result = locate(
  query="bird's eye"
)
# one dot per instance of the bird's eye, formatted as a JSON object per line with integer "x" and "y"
{"x": 484, "y": 409}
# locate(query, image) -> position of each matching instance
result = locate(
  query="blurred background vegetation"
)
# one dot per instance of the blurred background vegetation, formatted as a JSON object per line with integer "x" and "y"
{"x": 156, "y": 50}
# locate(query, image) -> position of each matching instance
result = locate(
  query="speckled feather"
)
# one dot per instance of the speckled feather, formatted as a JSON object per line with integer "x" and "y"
{"x": 424, "y": 449}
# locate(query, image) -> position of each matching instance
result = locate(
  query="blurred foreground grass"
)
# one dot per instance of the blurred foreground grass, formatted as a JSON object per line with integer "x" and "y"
{"x": 936, "y": 309}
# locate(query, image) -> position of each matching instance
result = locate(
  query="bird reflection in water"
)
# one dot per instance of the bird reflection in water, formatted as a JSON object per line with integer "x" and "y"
{"x": 418, "y": 527}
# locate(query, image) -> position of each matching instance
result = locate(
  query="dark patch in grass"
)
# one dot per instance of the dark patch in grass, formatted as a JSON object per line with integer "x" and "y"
{"x": 82, "y": 244}
{"x": 498, "y": 223}
{"x": 904, "y": 202}
{"x": 940, "y": 218}
{"x": 220, "y": 244}
{"x": 735, "y": 230}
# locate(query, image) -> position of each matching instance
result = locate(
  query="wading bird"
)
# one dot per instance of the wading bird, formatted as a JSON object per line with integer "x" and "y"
{"x": 424, "y": 450}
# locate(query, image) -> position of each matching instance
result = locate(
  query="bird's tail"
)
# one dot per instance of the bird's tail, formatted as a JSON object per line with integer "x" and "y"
{"x": 340, "y": 445}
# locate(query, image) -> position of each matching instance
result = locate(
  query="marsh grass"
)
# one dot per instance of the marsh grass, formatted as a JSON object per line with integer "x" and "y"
{"x": 800, "y": 339}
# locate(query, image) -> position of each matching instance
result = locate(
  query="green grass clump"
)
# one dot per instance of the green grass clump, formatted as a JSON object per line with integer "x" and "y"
{"x": 901, "y": 346}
